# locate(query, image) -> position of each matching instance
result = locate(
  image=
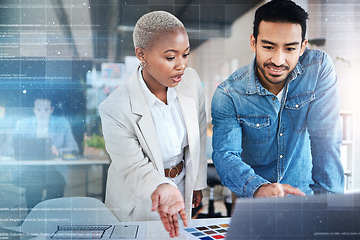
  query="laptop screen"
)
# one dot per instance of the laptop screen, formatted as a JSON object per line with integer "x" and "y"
{"x": 330, "y": 216}
{"x": 29, "y": 148}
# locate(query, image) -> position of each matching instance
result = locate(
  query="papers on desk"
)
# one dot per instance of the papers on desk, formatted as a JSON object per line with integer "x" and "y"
{"x": 9, "y": 234}
{"x": 69, "y": 156}
{"x": 125, "y": 232}
{"x": 122, "y": 231}
{"x": 207, "y": 232}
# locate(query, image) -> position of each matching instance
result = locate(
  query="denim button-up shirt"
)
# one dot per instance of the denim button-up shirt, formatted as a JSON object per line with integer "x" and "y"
{"x": 258, "y": 139}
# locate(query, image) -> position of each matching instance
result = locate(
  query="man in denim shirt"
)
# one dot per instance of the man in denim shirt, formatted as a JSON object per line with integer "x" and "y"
{"x": 276, "y": 121}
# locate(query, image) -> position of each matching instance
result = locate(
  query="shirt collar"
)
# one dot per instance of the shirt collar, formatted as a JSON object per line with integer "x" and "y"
{"x": 254, "y": 85}
{"x": 151, "y": 98}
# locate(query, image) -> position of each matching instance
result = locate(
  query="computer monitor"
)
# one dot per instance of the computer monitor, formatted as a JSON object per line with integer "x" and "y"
{"x": 31, "y": 148}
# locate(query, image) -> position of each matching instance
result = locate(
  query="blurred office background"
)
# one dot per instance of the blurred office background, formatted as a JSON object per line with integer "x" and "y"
{"x": 77, "y": 52}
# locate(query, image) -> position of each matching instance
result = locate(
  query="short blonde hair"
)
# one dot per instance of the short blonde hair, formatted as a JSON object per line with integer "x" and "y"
{"x": 149, "y": 25}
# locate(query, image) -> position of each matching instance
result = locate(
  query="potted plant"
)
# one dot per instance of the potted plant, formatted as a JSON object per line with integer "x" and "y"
{"x": 94, "y": 147}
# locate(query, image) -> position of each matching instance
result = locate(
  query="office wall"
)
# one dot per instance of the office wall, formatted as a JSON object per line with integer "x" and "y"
{"x": 217, "y": 58}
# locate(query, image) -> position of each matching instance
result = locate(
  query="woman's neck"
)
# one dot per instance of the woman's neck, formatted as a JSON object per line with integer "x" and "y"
{"x": 156, "y": 88}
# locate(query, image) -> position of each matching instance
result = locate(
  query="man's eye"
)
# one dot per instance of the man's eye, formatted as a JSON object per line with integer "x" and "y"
{"x": 268, "y": 47}
{"x": 290, "y": 49}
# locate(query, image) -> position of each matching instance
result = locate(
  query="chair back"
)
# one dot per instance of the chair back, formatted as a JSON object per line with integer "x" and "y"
{"x": 46, "y": 216}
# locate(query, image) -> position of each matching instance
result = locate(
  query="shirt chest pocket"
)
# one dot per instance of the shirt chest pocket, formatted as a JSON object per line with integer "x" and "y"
{"x": 297, "y": 108}
{"x": 256, "y": 129}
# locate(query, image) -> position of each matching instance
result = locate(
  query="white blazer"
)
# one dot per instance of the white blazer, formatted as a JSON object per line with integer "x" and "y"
{"x": 136, "y": 167}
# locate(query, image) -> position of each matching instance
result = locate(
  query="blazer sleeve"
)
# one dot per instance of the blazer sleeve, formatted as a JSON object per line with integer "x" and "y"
{"x": 130, "y": 166}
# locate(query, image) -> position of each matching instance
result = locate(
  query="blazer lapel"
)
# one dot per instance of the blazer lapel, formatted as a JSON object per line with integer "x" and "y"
{"x": 145, "y": 123}
{"x": 188, "y": 109}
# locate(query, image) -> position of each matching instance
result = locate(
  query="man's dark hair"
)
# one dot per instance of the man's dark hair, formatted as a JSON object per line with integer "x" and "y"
{"x": 44, "y": 97}
{"x": 285, "y": 11}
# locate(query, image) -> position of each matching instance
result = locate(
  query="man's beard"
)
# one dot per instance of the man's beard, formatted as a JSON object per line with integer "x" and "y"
{"x": 263, "y": 71}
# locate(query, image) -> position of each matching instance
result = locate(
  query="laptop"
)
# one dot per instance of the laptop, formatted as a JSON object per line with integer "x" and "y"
{"x": 328, "y": 216}
{"x": 30, "y": 148}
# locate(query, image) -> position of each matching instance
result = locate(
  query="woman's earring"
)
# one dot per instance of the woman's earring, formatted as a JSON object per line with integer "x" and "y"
{"x": 142, "y": 64}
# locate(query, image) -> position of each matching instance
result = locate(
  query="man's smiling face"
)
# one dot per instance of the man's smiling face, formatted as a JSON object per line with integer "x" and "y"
{"x": 278, "y": 47}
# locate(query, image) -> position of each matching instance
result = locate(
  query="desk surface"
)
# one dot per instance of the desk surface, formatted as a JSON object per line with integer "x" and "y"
{"x": 152, "y": 230}
{"x": 46, "y": 217}
{"x": 85, "y": 162}
{"x": 55, "y": 161}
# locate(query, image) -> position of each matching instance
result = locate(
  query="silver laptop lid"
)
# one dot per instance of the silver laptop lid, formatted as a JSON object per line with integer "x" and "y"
{"x": 330, "y": 216}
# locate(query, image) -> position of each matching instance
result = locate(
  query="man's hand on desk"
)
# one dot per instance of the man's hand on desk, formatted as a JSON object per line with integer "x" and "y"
{"x": 277, "y": 190}
{"x": 168, "y": 201}
{"x": 54, "y": 151}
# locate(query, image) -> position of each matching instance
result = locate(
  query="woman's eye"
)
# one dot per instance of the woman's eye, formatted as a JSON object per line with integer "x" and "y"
{"x": 170, "y": 58}
{"x": 186, "y": 55}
